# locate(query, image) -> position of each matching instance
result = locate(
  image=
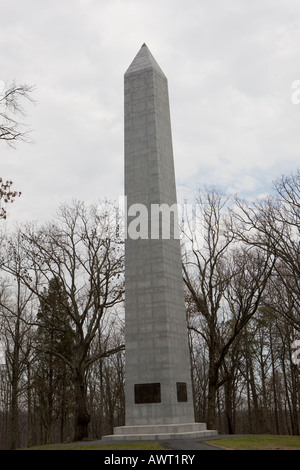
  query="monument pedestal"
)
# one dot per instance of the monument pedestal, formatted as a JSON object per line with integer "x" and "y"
{"x": 160, "y": 432}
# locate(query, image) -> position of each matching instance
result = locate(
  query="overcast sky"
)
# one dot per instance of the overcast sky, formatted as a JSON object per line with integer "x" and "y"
{"x": 230, "y": 65}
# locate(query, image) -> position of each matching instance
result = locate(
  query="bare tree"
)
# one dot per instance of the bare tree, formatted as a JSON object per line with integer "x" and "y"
{"x": 206, "y": 277}
{"x": 84, "y": 253}
{"x": 224, "y": 283}
{"x": 273, "y": 225}
{"x": 15, "y": 309}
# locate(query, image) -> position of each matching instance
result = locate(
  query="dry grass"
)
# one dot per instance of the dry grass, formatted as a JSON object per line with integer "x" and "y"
{"x": 259, "y": 442}
{"x": 81, "y": 446}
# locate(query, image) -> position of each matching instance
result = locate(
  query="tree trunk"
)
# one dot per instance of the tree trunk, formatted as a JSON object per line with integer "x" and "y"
{"x": 82, "y": 416}
{"x": 14, "y": 412}
{"x": 14, "y": 408}
{"x": 258, "y": 422}
{"x": 49, "y": 409}
{"x": 29, "y": 407}
{"x": 212, "y": 393}
{"x": 63, "y": 405}
{"x": 229, "y": 406}
{"x": 275, "y": 399}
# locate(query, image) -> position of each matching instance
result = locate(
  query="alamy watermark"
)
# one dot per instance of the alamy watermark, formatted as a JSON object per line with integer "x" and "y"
{"x": 156, "y": 221}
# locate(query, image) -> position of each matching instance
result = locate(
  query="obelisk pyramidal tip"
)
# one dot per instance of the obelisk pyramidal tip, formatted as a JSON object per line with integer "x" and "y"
{"x": 143, "y": 60}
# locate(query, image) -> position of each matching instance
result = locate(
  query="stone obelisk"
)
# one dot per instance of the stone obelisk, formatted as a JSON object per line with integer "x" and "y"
{"x": 158, "y": 385}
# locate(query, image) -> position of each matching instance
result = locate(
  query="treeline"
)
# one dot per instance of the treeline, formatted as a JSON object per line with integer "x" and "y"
{"x": 61, "y": 324}
{"x": 62, "y": 318}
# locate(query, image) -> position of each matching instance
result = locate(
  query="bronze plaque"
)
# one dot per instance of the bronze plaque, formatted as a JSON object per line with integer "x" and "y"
{"x": 147, "y": 393}
{"x": 181, "y": 391}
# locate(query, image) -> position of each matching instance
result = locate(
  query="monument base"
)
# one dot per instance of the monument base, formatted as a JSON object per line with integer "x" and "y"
{"x": 160, "y": 432}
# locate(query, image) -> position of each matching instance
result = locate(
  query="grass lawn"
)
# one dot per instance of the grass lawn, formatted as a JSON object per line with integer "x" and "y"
{"x": 259, "y": 442}
{"x": 256, "y": 442}
{"x": 79, "y": 446}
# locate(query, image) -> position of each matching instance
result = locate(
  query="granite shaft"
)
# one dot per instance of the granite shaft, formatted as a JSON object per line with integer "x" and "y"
{"x": 158, "y": 371}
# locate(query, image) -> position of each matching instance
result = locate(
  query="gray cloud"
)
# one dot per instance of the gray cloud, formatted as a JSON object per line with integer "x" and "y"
{"x": 230, "y": 67}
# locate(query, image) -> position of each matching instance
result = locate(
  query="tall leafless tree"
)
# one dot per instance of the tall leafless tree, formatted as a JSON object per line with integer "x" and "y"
{"x": 15, "y": 313}
{"x": 224, "y": 282}
{"x": 273, "y": 225}
{"x": 84, "y": 252}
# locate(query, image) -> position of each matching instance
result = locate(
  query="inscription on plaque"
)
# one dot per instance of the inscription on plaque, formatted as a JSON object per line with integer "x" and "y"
{"x": 147, "y": 393}
{"x": 181, "y": 391}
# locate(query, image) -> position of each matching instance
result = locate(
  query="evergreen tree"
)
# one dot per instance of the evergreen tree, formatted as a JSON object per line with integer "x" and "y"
{"x": 54, "y": 342}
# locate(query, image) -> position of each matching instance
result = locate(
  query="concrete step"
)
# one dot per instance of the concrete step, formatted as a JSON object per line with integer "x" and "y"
{"x": 159, "y": 436}
{"x": 160, "y": 428}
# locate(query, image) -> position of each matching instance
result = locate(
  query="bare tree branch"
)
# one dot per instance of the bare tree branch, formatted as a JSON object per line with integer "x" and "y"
{"x": 11, "y": 110}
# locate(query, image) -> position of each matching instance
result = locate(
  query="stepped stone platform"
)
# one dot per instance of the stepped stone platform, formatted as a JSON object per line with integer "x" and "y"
{"x": 160, "y": 432}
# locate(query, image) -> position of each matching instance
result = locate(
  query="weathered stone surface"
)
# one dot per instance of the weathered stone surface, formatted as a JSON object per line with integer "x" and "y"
{"x": 156, "y": 330}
